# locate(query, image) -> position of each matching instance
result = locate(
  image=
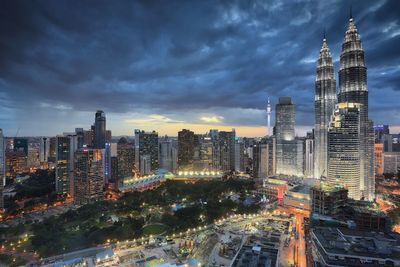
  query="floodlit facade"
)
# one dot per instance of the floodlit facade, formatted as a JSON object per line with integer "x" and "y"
{"x": 344, "y": 148}
{"x": 325, "y": 100}
{"x": 353, "y": 89}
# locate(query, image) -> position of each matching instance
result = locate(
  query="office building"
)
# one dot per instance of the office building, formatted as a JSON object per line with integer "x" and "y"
{"x": 21, "y": 145}
{"x": 146, "y": 150}
{"x": 2, "y": 168}
{"x": 168, "y": 154}
{"x": 344, "y": 148}
{"x": 263, "y": 159}
{"x": 379, "y": 131}
{"x": 309, "y": 158}
{"x": 44, "y": 149}
{"x": 391, "y": 162}
{"x": 378, "y": 155}
{"x": 63, "y": 154}
{"x": 186, "y": 145}
{"x": 126, "y": 158}
{"x": 226, "y": 142}
{"x": 289, "y": 150}
{"x": 100, "y": 130}
{"x": 325, "y": 100}
{"x": 353, "y": 89}
{"x": 89, "y": 176}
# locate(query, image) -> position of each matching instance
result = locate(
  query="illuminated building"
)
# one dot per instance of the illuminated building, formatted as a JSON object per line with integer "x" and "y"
{"x": 33, "y": 160}
{"x": 325, "y": 100}
{"x": 274, "y": 189}
{"x": 16, "y": 163}
{"x": 309, "y": 155}
{"x": 353, "y": 89}
{"x": 344, "y": 148}
{"x": 186, "y": 145}
{"x": 89, "y": 176}
{"x": 52, "y": 149}
{"x": 289, "y": 150}
{"x": 100, "y": 130}
{"x": 126, "y": 158}
{"x": 239, "y": 156}
{"x": 269, "y": 111}
{"x": 378, "y": 153}
{"x": 2, "y": 168}
{"x": 63, "y": 153}
{"x": 298, "y": 197}
{"x": 146, "y": 145}
{"x": 328, "y": 198}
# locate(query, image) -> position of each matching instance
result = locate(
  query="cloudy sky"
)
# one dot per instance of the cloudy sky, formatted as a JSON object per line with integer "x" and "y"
{"x": 168, "y": 65}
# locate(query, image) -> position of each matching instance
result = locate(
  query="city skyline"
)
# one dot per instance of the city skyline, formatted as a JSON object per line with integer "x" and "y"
{"x": 221, "y": 77}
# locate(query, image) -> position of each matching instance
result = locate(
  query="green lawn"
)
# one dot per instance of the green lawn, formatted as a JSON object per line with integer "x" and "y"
{"x": 154, "y": 229}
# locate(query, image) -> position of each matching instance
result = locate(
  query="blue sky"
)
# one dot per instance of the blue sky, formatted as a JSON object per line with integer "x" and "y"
{"x": 167, "y": 65}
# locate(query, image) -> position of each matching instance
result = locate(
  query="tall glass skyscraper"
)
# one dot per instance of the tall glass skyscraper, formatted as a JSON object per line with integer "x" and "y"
{"x": 325, "y": 100}
{"x": 100, "y": 130}
{"x": 353, "y": 89}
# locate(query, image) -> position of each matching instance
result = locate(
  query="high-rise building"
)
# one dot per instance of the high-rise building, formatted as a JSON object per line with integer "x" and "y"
{"x": 325, "y": 100}
{"x": 88, "y": 175}
{"x": 168, "y": 154}
{"x": 239, "y": 156}
{"x": 44, "y": 149}
{"x": 378, "y": 154}
{"x": 126, "y": 159}
{"x": 100, "y": 130}
{"x": 309, "y": 159}
{"x": 226, "y": 142}
{"x": 63, "y": 154}
{"x": 146, "y": 147}
{"x": 186, "y": 145}
{"x": 52, "y": 149}
{"x": 260, "y": 160}
{"x": 289, "y": 150}
{"x": 379, "y": 131}
{"x": 344, "y": 148}
{"x": 269, "y": 111}
{"x": 353, "y": 89}
{"x": 2, "y": 168}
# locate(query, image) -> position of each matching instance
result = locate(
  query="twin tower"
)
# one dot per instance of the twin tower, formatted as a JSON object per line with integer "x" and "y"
{"x": 343, "y": 132}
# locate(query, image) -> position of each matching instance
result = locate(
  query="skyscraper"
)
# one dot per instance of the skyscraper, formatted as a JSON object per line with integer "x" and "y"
{"x": 2, "y": 168}
{"x": 44, "y": 149}
{"x": 186, "y": 143}
{"x": 353, "y": 89}
{"x": 226, "y": 142}
{"x": 88, "y": 175}
{"x": 168, "y": 154}
{"x": 325, "y": 100}
{"x": 100, "y": 130}
{"x": 126, "y": 158}
{"x": 146, "y": 150}
{"x": 344, "y": 148}
{"x": 289, "y": 150}
{"x": 63, "y": 154}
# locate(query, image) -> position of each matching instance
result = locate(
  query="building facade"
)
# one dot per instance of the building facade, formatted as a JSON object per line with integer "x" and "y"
{"x": 146, "y": 146}
{"x": 325, "y": 100}
{"x": 100, "y": 130}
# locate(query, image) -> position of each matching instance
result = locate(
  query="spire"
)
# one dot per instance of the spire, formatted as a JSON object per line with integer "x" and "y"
{"x": 351, "y": 13}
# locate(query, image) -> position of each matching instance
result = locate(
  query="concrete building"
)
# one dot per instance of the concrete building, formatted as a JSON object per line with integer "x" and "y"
{"x": 328, "y": 198}
{"x": 298, "y": 197}
{"x": 168, "y": 154}
{"x": 89, "y": 175}
{"x": 44, "y": 150}
{"x": 335, "y": 247}
{"x": 378, "y": 154}
{"x": 309, "y": 154}
{"x": 226, "y": 141}
{"x": 126, "y": 158}
{"x": 391, "y": 162}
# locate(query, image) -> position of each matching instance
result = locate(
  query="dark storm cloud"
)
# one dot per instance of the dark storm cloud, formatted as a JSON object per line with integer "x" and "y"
{"x": 174, "y": 56}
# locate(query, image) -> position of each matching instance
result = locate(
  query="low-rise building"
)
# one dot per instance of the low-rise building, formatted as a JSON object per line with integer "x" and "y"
{"x": 349, "y": 247}
{"x": 298, "y": 197}
{"x": 328, "y": 198}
